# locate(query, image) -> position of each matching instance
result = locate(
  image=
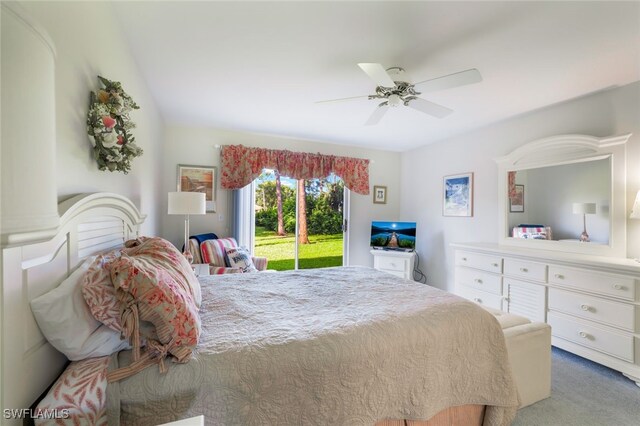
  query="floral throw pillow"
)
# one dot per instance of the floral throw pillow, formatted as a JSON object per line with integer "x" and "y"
{"x": 239, "y": 257}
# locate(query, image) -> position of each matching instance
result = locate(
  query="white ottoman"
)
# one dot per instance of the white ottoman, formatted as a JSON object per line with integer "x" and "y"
{"x": 529, "y": 349}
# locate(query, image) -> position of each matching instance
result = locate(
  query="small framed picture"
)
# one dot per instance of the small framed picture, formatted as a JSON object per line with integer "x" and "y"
{"x": 199, "y": 179}
{"x": 516, "y": 203}
{"x": 379, "y": 194}
{"x": 457, "y": 195}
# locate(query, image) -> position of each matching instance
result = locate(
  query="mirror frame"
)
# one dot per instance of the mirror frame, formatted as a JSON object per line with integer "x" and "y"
{"x": 569, "y": 149}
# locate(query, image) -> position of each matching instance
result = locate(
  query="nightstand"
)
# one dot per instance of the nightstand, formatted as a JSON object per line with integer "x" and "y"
{"x": 200, "y": 269}
{"x": 399, "y": 263}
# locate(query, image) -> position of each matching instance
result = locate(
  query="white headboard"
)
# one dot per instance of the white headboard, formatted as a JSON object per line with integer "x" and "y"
{"x": 89, "y": 224}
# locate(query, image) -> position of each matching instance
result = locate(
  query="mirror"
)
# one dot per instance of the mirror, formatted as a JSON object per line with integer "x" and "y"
{"x": 545, "y": 197}
{"x": 556, "y": 185}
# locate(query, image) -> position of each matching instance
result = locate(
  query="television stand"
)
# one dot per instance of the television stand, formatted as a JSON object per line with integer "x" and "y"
{"x": 399, "y": 263}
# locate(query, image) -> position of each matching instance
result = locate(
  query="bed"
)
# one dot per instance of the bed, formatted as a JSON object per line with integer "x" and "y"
{"x": 332, "y": 346}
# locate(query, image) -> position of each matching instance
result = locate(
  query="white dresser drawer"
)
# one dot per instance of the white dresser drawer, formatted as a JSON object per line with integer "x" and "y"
{"x": 607, "y": 284}
{"x": 525, "y": 269}
{"x": 594, "y": 308}
{"x": 480, "y": 297}
{"x": 479, "y": 261}
{"x": 590, "y": 335}
{"x": 391, "y": 264}
{"x": 480, "y": 280}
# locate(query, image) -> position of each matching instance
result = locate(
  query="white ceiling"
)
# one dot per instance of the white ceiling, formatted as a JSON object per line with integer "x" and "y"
{"x": 259, "y": 67}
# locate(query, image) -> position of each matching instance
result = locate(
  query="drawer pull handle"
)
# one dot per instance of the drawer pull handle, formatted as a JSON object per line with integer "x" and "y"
{"x": 618, "y": 286}
{"x": 477, "y": 300}
{"x": 559, "y": 276}
{"x": 464, "y": 259}
{"x": 495, "y": 265}
{"x": 585, "y": 307}
{"x": 393, "y": 264}
{"x": 524, "y": 270}
{"x": 478, "y": 280}
{"x": 583, "y": 334}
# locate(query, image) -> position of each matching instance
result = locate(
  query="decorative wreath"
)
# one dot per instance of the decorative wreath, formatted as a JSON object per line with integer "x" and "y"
{"x": 109, "y": 125}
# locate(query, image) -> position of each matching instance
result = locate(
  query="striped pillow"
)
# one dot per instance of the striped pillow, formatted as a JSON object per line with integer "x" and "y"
{"x": 214, "y": 251}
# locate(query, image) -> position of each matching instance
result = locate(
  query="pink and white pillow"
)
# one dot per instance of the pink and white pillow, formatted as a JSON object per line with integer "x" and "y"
{"x": 78, "y": 397}
{"x": 214, "y": 251}
{"x": 99, "y": 293}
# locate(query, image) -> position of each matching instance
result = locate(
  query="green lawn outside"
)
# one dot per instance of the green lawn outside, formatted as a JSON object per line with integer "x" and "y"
{"x": 323, "y": 250}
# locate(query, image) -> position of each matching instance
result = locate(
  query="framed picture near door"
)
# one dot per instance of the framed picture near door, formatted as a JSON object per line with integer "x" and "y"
{"x": 199, "y": 179}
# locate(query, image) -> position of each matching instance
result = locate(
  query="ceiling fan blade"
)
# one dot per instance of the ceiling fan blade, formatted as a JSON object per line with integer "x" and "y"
{"x": 341, "y": 99}
{"x": 378, "y": 74}
{"x": 429, "y": 108}
{"x": 377, "y": 115}
{"x": 452, "y": 80}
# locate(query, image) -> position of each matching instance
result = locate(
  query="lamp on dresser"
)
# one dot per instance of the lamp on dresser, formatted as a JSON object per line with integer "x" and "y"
{"x": 584, "y": 209}
{"x": 187, "y": 203}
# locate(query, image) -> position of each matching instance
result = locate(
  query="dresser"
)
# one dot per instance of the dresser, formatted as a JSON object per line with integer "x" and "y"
{"x": 592, "y": 303}
{"x": 399, "y": 263}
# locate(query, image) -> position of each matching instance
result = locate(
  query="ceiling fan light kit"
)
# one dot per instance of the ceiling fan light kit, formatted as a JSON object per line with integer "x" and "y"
{"x": 395, "y": 89}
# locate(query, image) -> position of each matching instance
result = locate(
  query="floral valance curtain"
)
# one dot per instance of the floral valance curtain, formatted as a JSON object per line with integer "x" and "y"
{"x": 241, "y": 165}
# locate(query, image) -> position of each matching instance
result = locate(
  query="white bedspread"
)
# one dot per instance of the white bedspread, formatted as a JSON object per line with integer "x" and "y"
{"x": 334, "y": 346}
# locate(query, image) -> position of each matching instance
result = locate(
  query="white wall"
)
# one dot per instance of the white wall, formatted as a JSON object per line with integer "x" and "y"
{"x": 196, "y": 146}
{"x": 611, "y": 112}
{"x": 89, "y": 42}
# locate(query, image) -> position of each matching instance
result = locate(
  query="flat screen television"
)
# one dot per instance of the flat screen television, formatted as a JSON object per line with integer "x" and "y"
{"x": 393, "y": 235}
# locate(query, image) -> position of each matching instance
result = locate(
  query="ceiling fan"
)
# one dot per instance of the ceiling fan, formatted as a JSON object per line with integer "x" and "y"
{"x": 395, "y": 89}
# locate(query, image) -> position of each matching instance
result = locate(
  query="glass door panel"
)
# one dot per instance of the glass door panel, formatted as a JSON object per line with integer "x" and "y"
{"x": 281, "y": 212}
{"x": 320, "y": 215}
{"x": 275, "y": 220}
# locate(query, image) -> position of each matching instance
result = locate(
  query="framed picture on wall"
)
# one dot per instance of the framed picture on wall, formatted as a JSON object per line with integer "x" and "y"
{"x": 380, "y": 194}
{"x": 457, "y": 195}
{"x": 199, "y": 179}
{"x": 516, "y": 203}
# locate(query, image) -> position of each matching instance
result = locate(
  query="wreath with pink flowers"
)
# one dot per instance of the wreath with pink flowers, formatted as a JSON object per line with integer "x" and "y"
{"x": 109, "y": 127}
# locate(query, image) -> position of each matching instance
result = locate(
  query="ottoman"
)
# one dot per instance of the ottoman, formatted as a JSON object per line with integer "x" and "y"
{"x": 529, "y": 350}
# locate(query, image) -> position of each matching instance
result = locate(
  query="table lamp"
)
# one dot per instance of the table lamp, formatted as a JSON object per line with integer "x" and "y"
{"x": 584, "y": 209}
{"x": 187, "y": 203}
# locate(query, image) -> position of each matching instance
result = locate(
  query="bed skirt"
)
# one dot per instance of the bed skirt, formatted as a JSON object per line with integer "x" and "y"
{"x": 464, "y": 415}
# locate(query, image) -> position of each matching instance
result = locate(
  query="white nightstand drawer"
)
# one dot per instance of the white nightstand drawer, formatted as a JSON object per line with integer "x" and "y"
{"x": 525, "y": 269}
{"x": 608, "y": 284}
{"x": 479, "y": 261}
{"x": 480, "y": 297}
{"x": 588, "y": 334}
{"x": 594, "y": 308}
{"x": 392, "y": 263}
{"x": 484, "y": 281}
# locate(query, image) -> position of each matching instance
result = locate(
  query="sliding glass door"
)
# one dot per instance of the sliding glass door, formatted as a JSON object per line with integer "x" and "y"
{"x": 314, "y": 210}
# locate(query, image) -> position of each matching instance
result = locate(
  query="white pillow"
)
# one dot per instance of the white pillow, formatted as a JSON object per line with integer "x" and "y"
{"x": 239, "y": 257}
{"x": 66, "y": 321}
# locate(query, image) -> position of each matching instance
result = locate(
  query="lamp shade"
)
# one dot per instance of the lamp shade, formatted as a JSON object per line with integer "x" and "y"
{"x": 187, "y": 203}
{"x": 584, "y": 208}
{"x": 635, "y": 212}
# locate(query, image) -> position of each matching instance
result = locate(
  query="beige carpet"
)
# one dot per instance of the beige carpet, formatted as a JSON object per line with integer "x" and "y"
{"x": 584, "y": 393}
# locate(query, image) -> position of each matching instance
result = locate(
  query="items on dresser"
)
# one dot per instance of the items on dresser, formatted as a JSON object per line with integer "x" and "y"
{"x": 592, "y": 303}
{"x": 399, "y": 263}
